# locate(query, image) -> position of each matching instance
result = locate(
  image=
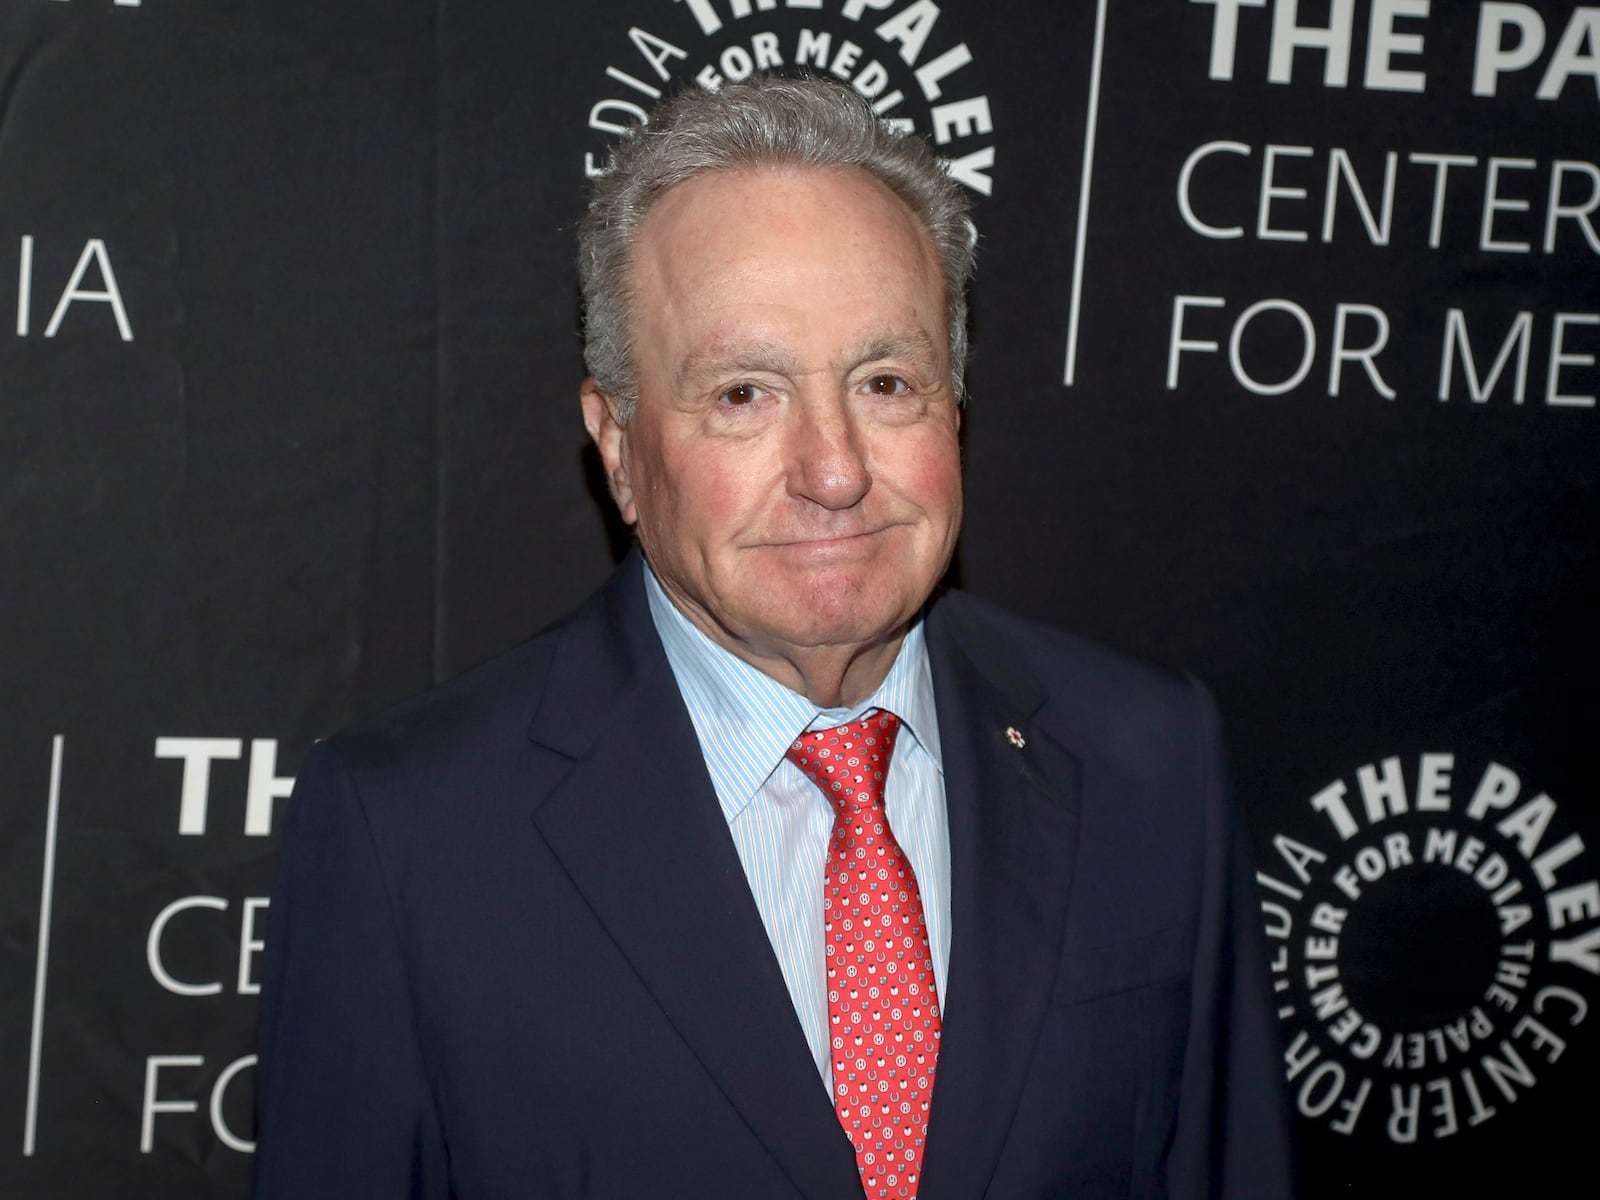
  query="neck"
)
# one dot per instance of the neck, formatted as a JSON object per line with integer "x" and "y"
{"x": 828, "y": 676}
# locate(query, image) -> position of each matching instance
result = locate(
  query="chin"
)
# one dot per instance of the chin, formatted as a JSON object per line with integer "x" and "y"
{"x": 856, "y": 614}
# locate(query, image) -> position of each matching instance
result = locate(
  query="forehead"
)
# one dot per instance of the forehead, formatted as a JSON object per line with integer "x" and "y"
{"x": 831, "y": 243}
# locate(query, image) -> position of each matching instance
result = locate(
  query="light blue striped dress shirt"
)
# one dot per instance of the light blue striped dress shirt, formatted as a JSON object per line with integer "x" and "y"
{"x": 780, "y": 820}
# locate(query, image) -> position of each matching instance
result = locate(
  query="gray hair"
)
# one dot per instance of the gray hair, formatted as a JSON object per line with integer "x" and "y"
{"x": 764, "y": 121}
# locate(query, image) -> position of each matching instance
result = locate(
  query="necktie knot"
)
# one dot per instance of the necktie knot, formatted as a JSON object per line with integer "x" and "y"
{"x": 851, "y": 762}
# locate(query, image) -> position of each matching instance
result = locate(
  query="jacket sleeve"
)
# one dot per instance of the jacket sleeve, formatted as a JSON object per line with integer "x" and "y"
{"x": 343, "y": 1108}
{"x": 1232, "y": 1140}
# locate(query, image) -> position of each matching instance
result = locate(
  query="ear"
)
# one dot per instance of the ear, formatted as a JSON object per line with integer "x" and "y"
{"x": 610, "y": 439}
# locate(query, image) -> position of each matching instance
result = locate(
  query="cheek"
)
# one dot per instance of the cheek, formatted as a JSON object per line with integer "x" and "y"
{"x": 932, "y": 475}
{"x": 698, "y": 496}
{"x": 944, "y": 477}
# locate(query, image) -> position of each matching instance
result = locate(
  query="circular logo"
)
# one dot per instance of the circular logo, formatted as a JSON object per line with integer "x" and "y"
{"x": 904, "y": 57}
{"x": 1434, "y": 947}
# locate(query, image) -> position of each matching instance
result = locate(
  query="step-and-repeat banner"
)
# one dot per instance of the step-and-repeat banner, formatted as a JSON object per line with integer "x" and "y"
{"x": 1287, "y": 326}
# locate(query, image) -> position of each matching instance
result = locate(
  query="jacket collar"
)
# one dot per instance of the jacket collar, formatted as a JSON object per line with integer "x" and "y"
{"x": 636, "y": 824}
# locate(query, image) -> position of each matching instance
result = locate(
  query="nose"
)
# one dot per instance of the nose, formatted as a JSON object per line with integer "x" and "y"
{"x": 827, "y": 462}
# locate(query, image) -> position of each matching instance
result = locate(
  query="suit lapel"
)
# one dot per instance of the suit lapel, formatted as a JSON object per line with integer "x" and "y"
{"x": 1013, "y": 836}
{"x": 636, "y": 824}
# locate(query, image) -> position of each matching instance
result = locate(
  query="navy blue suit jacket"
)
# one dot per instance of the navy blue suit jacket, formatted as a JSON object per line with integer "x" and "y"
{"x": 512, "y": 951}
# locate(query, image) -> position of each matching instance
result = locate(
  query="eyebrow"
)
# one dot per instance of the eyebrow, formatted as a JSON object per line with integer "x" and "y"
{"x": 748, "y": 356}
{"x": 769, "y": 356}
{"x": 916, "y": 346}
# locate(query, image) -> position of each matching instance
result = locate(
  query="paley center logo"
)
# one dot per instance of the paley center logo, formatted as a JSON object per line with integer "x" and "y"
{"x": 1435, "y": 947}
{"x": 906, "y": 58}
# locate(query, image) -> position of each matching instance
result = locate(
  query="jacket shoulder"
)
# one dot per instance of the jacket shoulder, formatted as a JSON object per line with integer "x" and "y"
{"x": 577, "y": 664}
{"x": 457, "y": 720}
{"x": 1107, "y": 698}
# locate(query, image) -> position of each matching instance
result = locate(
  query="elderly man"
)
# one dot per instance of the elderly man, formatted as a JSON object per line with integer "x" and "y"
{"x": 764, "y": 874}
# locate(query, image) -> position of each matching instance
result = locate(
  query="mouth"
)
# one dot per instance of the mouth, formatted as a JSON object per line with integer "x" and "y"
{"x": 828, "y": 544}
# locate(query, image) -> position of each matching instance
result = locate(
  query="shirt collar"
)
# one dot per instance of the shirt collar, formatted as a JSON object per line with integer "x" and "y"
{"x": 746, "y": 720}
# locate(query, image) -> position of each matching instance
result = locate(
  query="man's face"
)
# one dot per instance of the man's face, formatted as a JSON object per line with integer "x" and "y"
{"x": 793, "y": 464}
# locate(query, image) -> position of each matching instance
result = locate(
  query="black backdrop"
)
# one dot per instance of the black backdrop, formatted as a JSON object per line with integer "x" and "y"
{"x": 1287, "y": 328}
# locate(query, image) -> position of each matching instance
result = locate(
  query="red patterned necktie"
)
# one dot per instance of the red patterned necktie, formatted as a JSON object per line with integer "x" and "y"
{"x": 883, "y": 1005}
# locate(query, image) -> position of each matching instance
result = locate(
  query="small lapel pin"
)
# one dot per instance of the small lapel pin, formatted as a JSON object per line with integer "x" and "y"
{"x": 1014, "y": 736}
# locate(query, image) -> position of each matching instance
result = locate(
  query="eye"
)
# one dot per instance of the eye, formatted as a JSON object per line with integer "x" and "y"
{"x": 742, "y": 394}
{"x": 887, "y": 385}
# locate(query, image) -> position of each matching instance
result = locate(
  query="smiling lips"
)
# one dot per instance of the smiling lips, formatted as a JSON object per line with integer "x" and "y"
{"x": 827, "y": 544}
